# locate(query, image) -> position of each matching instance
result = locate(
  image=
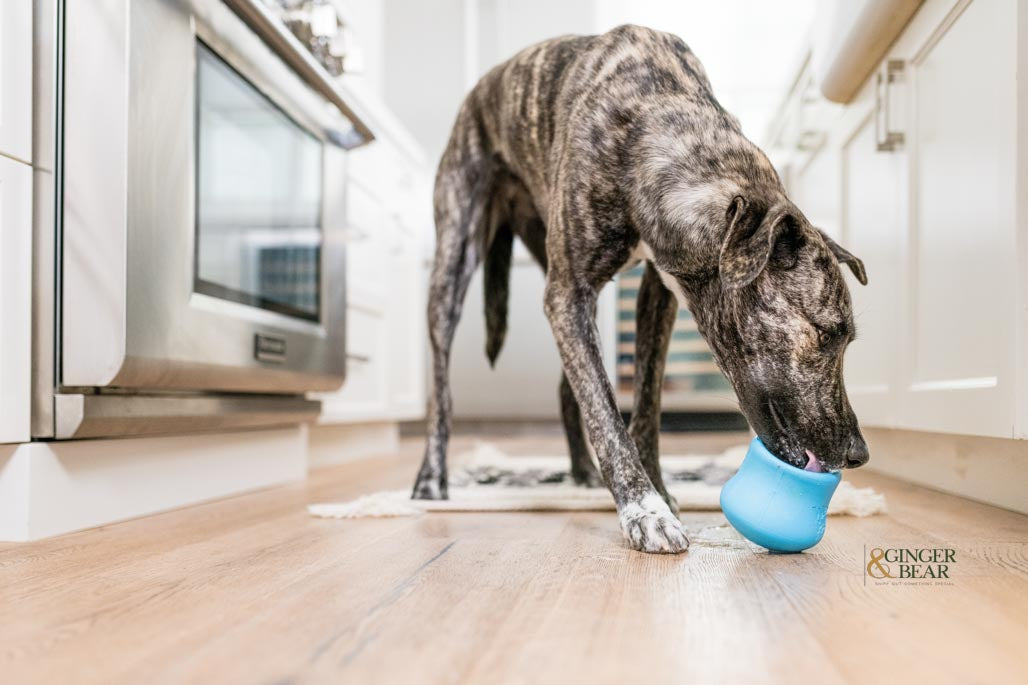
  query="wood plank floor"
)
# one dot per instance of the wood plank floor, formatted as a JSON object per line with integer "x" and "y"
{"x": 253, "y": 590}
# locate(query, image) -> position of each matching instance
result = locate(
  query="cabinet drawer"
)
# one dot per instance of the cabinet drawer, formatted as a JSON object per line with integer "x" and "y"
{"x": 365, "y": 394}
{"x": 365, "y": 213}
{"x": 365, "y": 389}
{"x": 364, "y": 332}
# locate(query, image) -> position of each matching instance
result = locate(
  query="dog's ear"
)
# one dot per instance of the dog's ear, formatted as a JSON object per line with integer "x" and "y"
{"x": 749, "y": 242}
{"x": 844, "y": 256}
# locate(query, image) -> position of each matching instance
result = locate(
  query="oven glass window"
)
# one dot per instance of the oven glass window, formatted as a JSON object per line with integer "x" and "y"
{"x": 258, "y": 196}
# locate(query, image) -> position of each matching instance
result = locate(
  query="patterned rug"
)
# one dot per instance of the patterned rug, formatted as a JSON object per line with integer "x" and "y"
{"x": 486, "y": 479}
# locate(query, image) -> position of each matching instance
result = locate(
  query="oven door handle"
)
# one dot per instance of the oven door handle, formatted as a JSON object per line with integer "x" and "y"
{"x": 292, "y": 52}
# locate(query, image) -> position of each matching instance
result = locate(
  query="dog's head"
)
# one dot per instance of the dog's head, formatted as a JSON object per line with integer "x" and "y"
{"x": 780, "y": 324}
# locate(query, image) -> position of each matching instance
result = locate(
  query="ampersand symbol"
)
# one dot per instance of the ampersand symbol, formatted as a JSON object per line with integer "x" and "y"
{"x": 875, "y": 567}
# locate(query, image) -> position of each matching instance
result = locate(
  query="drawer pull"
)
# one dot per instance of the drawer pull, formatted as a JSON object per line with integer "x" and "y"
{"x": 886, "y": 139}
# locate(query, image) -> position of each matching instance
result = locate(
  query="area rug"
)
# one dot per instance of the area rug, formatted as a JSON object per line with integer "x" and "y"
{"x": 486, "y": 479}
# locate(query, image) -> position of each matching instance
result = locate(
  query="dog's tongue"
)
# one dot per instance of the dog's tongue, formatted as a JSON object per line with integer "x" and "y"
{"x": 813, "y": 463}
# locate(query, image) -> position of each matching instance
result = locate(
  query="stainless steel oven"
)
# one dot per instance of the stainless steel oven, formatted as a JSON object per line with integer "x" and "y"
{"x": 198, "y": 278}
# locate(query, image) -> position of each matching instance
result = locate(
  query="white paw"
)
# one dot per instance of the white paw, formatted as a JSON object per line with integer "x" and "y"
{"x": 649, "y": 526}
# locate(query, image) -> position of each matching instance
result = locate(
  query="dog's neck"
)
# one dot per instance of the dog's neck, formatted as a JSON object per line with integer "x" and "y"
{"x": 685, "y": 180}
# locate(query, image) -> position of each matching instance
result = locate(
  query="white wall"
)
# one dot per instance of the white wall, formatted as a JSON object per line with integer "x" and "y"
{"x": 525, "y": 380}
{"x": 749, "y": 48}
{"x": 424, "y": 77}
{"x": 505, "y": 27}
{"x": 365, "y": 19}
{"x": 424, "y": 56}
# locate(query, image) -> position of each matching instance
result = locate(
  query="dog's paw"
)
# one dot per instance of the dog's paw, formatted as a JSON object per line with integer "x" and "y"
{"x": 672, "y": 503}
{"x": 649, "y": 526}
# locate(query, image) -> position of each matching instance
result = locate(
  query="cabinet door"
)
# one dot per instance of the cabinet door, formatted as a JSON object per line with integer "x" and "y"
{"x": 365, "y": 393}
{"x": 15, "y": 299}
{"x": 960, "y": 375}
{"x": 874, "y": 229}
{"x": 16, "y": 79}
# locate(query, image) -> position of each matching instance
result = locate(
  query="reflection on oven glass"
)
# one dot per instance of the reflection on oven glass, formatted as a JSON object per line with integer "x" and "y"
{"x": 259, "y": 181}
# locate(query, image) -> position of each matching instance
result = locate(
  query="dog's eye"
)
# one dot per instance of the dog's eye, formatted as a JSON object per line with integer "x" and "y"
{"x": 824, "y": 338}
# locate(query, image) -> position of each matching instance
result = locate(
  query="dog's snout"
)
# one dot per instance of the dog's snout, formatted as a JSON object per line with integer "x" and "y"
{"x": 857, "y": 453}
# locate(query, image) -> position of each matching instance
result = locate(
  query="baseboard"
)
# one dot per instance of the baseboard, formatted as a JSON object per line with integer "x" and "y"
{"x": 49, "y": 488}
{"x": 990, "y": 470}
{"x": 331, "y": 444}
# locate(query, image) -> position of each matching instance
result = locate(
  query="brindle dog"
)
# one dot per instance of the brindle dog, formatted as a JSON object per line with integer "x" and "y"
{"x": 599, "y": 151}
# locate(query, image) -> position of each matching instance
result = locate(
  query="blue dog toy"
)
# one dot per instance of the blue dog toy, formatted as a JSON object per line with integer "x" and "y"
{"x": 775, "y": 504}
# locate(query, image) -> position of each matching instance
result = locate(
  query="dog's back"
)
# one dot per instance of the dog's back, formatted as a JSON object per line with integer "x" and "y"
{"x": 521, "y": 112}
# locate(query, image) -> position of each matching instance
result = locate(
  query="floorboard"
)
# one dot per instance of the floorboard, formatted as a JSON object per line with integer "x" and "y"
{"x": 253, "y": 590}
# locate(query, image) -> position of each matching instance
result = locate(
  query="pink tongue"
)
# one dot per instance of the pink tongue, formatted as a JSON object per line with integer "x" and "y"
{"x": 813, "y": 464}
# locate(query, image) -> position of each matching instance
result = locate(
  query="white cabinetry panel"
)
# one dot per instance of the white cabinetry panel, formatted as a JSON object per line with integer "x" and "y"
{"x": 961, "y": 372}
{"x": 934, "y": 218}
{"x": 816, "y": 190}
{"x": 875, "y": 231}
{"x": 15, "y": 299}
{"x": 389, "y": 211}
{"x": 365, "y": 393}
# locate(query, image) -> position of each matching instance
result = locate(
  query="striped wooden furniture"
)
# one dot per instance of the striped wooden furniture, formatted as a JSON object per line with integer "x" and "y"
{"x": 690, "y": 371}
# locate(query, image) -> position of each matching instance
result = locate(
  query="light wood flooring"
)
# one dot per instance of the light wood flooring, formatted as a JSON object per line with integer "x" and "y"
{"x": 253, "y": 590}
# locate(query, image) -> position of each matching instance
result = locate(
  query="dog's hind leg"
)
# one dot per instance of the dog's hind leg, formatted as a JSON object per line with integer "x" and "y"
{"x": 583, "y": 471}
{"x": 656, "y": 309}
{"x": 462, "y": 195}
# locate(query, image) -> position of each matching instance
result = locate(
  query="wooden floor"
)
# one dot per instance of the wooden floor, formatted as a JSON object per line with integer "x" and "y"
{"x": 253, "y": 590}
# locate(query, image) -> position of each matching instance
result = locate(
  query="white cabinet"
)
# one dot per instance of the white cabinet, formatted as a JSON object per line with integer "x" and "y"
{"x": 934, "y": 219}
{"x": 389, "y": 213}
{"x": 365, "y": 393}
{"x": 15, "y": 299}
{"x": 874, "y": 227}
{"x": 962, "y": 133}
{"x": 817, "y": 189}
{"x": 16, "y": 79}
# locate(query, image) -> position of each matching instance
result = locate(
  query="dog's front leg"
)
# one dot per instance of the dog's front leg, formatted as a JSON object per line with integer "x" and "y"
{"x": 646, "y": 521}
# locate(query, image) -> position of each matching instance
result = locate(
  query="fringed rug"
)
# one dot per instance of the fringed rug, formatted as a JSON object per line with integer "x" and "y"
{"x": 486, "y": 479}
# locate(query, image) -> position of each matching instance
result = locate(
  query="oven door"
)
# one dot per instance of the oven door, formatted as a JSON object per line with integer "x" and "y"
{"x": 203, "y": 221}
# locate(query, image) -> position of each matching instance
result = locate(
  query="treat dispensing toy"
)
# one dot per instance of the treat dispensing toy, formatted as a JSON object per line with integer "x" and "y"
{"x": 777, "y": 505}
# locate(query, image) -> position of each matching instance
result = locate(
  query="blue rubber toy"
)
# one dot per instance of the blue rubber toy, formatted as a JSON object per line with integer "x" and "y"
{"x": 775, "y": 504}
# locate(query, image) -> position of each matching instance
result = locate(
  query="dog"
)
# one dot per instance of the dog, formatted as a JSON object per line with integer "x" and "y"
{"x": 599, "y": 152}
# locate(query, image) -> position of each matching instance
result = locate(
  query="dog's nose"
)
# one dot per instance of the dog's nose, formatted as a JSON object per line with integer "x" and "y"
{"x": 856, "y": 453}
